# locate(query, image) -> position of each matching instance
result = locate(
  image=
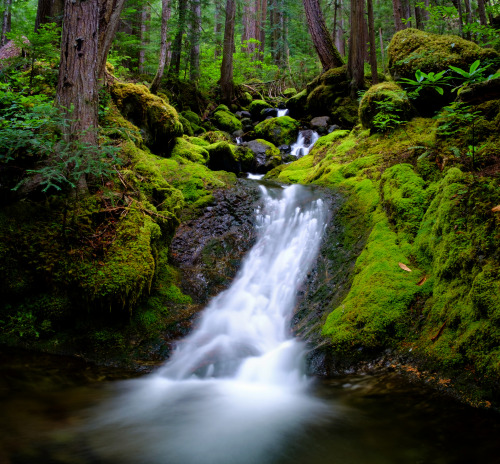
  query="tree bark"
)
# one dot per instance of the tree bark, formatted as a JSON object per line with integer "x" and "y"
{"x": 262, "y": 28}
{"x": 145, "y": 18}
{"x": 218, "y": 29}
{"x": 328, "y": 54}
{"x": 357, "y": 47}
{"x": 398, "y": 15}
{"x": 6, "y": 21}
{"x": 109, "y": 20}
{"x": 175, "y": 62}
{"x": 373, "y": 46}
{"x": 165, "y": 16}
{"x": 382, "y": 54}
{"x": 49, "y": 11}
{"x": 226, "y": 71}
{"x": 195, "y": 35}
{"x": 481, "y": 9}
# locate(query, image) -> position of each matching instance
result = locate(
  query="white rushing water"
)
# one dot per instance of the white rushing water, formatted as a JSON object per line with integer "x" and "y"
{"x": 235, "y": 388}
{"x": 300, "y": 148}
{"x": 282, "y": 112}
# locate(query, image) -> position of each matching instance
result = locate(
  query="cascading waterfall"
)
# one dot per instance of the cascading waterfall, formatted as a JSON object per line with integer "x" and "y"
{"x": 303, "y": 144}
{"x": 282, "y": 112}
{"x": 235, "y": 387}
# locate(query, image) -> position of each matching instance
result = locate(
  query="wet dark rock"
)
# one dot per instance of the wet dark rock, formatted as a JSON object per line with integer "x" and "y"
{"x": 332, "y": 128}
{"x": 320, "y": 123}
{"x": 308, "y": 136}
{"x": 285, "y": 148}
{"x": 267, "y": 156}
{"x": 269, "y": 113}
{"x": 238, "y": 133}
{"x": 208, "y": 250}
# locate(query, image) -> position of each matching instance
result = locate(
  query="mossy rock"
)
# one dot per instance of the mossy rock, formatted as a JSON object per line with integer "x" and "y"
{"x": 412, "y": 49}
{"x": 395, "y": 99}
{"x": 215, "y": 136}
{"x": 115, "y": 126}
{"x": 245, "y": 99}
{"x": 345, "y": 112}
{"x": 222, "y": 107}
{"x": 266, "y": 155}
{"x": 336, "y": 77}
{"x": 192, "y": 117}
{"x": 158, "y": 121}
{"x": 279, "y": 131}
{"x": 188, "y": 130}
{"x": 226, "y": 121}
{"x": 322, "y": 99}
{"x": 227, "y": 157}
{"x": 256, "y": 108}
{"x": 297, "y": 104}
{"x": 184, "y": 148}
{"x": 289, "y": 92}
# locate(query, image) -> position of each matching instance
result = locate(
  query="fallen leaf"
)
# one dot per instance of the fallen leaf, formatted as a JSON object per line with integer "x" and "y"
{"x": 404, "y": 267}
{"x": 496, "y": 209}
{"x": 422, "y": 281}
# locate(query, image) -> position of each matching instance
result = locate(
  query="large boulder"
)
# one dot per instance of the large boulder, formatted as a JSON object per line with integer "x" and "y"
{"x": 227, "y": 157}
{"x": 158, "y": 121}
{"x": 412, "y": 49}
{"x": 256, "y": 108}
{"x": 279, "y": 131}
{"x": 386, "y": 98}
{"x": 266, "y": 155}
{"x": 186, "y": 149}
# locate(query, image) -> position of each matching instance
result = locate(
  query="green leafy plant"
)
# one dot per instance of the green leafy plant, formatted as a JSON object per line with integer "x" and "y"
{"x": 387, "y": 117}
{"x": 426, "y": 80}
{"x": 473, "y": 75}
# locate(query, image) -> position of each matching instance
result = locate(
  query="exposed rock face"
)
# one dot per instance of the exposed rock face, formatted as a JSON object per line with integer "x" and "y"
{"x": 267, "y": 156}
{"x": 209, "y": 249}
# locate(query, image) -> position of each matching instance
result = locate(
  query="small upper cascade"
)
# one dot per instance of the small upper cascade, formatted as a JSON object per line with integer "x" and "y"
{"x": 282, "y": 112}
{"x": 304, "y": 143}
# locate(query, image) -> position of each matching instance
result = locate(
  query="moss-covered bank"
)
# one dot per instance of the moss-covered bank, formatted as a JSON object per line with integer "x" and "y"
{"x": 426, "y": 282}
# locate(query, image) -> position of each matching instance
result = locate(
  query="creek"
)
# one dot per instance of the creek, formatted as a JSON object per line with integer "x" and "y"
{"x": 234, "y": 391}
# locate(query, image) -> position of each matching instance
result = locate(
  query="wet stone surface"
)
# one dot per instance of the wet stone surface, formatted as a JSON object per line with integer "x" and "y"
{"x": 208, "y": 250}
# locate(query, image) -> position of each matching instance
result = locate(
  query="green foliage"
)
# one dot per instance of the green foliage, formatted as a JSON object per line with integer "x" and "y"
{"x": 474, "y": 74}
{"x": 423, "y": 80}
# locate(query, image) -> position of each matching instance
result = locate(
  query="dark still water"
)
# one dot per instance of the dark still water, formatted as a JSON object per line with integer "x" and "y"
{"x": 45, "y": 402}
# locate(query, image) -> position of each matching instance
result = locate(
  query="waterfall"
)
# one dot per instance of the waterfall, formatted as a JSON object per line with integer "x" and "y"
{"x": 282, "y": 112}
{"x": 304, "y": 144}
{"x": 235, "y": 387}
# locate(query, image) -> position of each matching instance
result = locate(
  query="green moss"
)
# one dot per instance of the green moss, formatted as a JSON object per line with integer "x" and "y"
{"x": 115, "y": 126}
{"x": 226, "y": 121}
{"x": 157, "y": 119}
{"x": 185, "y": 149}
{"x": 289, "y": 92}
{"x": 192, "y": 117}
{"x": 297, "y": 171}
{"x": 188, "y": 130}
{"x": 395, "y": 105}
{"x": 216, "y": 136}
{"x": 279, "y": 131}
{"x": 298, "y": 102}
{"x": 412, "y": 49}
{"x": 228, "y": 157}
{"x": 257, "y": 106}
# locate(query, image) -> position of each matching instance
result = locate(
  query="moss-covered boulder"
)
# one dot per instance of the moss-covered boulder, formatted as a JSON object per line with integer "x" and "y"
{"x": 345, "y": 112}
{"x": 186, "y": 125}
{"x": 279, "y": 131}
{"x": 296, "y": 105}
{"x": 226, "y": 121}
{"x": 184, "y": 148}
{"x": 289, "y": 92}
{"x": 215, "y": 136}
{"x": 244, "y": 99}
{"x": 256, "y": 108}
{"x": 412, "y": 49}
{"x": 192, "y": 117}
{"x": 157, "y": 120}
{"x": 266, "y": 155}
{"x": 384, "y": 102}
{"x": 227, "y": 157}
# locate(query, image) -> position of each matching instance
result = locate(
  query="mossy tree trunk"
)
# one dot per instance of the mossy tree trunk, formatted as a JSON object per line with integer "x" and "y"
{"x": 175, "y": 62}
{"x": 323, "y": 43}
{"x": 164, "y": 45}
{"x": 226, "y": 71}
{"x": 357, "y": 47}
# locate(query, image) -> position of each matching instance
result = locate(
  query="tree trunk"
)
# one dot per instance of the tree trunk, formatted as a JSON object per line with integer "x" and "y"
{"x": 175, "y": 62}
{"x": 373, "y": 46}
{"x": 481, "y": 9}
{"x": 328, "y": 54}
{"x": 165, "y": 16}
{"x": 226, "y": 71}
{"x": 145, "y": 19}
{"x": 468, "y": 17}
{"x": 109, "y": 20}
{"x": 250, "y": 27}
{"x": 262, "y": 28}
{"x": 382, "y": 54}
{"x": 339, "y": 39}
{"x": 195, "y": 34}
{"x": 77, "y": 88}
{"x": 218, "y": 29}
{"x": 357, "y": 47}
{"x": 49, "y": 11}
{"x": 398, "y": 15}
{"x": 6, "y": 20}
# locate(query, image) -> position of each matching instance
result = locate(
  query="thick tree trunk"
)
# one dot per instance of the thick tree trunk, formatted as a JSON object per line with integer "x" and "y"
{"x": 373, "y": 46}
{"x": 339, "y": 39}
{"x": 49, "y": 11}
{"x": 382, "y": 54}
{"x": 77, "y": 88}
{"x": 398, "y": 15}
{"x": 195, "y": 35}
{"x": 175, "y": 62}
{"x": 357, "y": 47}
{"x": 144, "y": 36}
{"x": 249, "y": 19}
{"x": 262, "y": 28}
{"x": 6, "y": 20}
{"x": 481, "y": 9}
{"x": 468, "y": 17}
{"x": 218, "y": 28}
{"x": 165, "y": 16}
{"x": 226, "y": 71}
{"x": 109, "y": 20}
{"x": 328, "y": 54}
